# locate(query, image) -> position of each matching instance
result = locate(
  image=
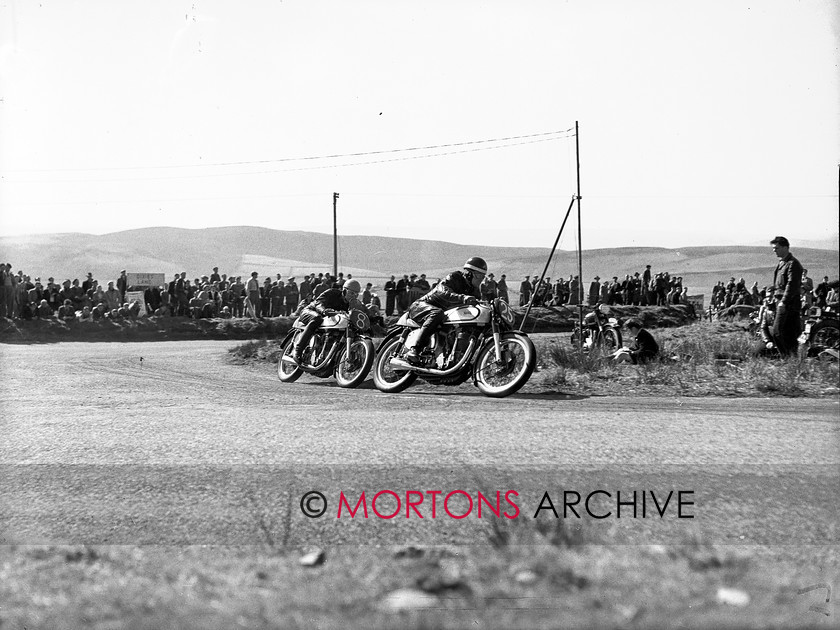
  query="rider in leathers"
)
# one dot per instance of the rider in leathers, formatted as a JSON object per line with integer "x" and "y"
{"x": 457, "y": 289}
{"x": 330, "y": 300}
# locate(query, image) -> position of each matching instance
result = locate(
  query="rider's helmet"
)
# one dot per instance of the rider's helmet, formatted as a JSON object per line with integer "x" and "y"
{"x": 476, "y": 264}
{"x": 352, "y": 285}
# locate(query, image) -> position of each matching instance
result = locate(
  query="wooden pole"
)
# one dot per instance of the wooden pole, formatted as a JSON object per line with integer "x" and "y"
{"x": 335, "y": 236}
{"x": 580, "y": 244}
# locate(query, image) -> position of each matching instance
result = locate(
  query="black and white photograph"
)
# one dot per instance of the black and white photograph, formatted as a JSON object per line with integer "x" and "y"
{"x": 469, "y": 314}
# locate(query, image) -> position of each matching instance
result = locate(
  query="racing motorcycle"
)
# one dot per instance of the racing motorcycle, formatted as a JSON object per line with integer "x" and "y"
{"x": 821, "y": 331}
{"x": 600, "y": 330}
{"x": 339, "y": 347}
{"x": 474, "y": 341}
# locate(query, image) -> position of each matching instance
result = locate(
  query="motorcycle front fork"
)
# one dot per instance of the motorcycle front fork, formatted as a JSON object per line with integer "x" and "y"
{"x": 497, "y": 342}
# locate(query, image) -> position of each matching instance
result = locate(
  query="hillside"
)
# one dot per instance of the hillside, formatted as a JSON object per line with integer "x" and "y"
{"x": 241, "y": 250}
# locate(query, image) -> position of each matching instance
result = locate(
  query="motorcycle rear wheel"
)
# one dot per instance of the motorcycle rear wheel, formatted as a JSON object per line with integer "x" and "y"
{"x": 519, "y": 359}
{"x": 611, "y": 340}
{"x": 352, "y": 371}
{"x": 825, "y": 335}
{"x": 287, "y": 370}
{"x": 385, "y": 377}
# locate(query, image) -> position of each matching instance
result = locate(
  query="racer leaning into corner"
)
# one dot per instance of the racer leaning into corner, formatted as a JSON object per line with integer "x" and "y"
{"x": 335, "y": 299}
{"x": 458, "y": 288}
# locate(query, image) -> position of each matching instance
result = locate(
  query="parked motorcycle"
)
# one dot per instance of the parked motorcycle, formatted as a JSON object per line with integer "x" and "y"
{"x": 600, "y": 330}
{"x": 473, "y": 341}
{"x": 339, "y": 347}
{"x": 821, "y": 331}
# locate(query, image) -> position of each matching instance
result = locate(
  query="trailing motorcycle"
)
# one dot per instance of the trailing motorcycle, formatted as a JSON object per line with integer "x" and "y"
{"x": 475, "y": 342}
{"x": 821, "y": 331}
{"x": 339, "y": 347}
{"x": 600, "y": 330}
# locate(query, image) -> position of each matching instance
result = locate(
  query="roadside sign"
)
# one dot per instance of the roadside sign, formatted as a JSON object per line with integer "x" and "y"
{"x": 146, "y": 279}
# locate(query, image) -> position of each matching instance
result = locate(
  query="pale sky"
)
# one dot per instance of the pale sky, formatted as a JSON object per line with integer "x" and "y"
{"x": 700, "y": 123}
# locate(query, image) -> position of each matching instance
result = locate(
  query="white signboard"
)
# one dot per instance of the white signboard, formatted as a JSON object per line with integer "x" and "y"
{"x": 130, "y": 296}
{"x": 146, "y": 279}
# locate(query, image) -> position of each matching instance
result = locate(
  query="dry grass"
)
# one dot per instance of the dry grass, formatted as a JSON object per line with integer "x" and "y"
{"x": 703, "y": 359}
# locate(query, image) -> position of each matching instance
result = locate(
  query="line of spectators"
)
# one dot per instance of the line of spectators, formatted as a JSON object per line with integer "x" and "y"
{"x": 220, "y": 295}
{"x": 640, "y": 289}
{"x": 25, "y": 298}
{"x": 212, "y": 295}
{"x": 736, "y": 293}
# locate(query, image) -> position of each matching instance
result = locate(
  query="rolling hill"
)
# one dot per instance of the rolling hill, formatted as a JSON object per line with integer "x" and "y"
{"x": 241, "y": 250}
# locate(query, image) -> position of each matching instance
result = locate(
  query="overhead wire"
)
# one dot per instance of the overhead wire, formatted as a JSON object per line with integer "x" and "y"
{"x": 301, "y": 168}
{"x": 305, "y": 158}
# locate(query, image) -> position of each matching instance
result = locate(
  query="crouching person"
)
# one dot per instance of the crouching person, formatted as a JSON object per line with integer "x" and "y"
{"x": 644, "y": 347}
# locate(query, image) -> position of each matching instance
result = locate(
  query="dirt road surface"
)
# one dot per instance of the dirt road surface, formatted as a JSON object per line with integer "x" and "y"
{"x": 166, "y": 443}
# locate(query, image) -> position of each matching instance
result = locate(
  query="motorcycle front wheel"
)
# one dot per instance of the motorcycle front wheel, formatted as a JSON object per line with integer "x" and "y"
{"x": 499, "y": 379}
{"x": 387, "y": 378}
{"x": 287, "y": 370}
{"x": 353, "y": 370}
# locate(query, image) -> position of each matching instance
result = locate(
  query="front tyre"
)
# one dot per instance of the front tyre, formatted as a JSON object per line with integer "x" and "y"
{"x": 287, "y": 370}
{"x": 499, "y": 379}
{"x": 387, "y": 378}
{"x": 353, "y": 370}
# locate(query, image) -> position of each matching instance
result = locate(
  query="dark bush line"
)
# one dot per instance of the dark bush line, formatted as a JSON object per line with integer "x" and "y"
{"x": 541, "y": 319}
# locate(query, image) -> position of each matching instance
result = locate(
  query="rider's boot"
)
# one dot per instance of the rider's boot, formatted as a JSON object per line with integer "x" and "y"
{"x": 426, "y": 332}
{"x": 304, "y": 338}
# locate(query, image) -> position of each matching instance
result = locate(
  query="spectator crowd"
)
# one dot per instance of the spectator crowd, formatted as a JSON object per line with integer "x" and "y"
{"x": 736, "y": 293}
{"x": 220, "y": 295}
{"x": 640, "y": 289}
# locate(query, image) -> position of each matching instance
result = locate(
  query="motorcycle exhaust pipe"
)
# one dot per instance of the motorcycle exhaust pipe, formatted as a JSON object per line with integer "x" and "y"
{"x": 405, "y": 365}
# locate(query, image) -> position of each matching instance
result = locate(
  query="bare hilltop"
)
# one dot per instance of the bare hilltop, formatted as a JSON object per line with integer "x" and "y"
{"x": 241, "y": 250}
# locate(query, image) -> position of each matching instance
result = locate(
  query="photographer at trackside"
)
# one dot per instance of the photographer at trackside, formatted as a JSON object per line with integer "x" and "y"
{"x": 644, "y": 347}
{"x": 334, "y": 299}
{"x": 787, "y": 288}
{"x": 458, "y": 288}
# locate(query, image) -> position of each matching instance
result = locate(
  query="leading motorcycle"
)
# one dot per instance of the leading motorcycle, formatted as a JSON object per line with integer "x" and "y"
{"x": 339, "y": 347}
{"x": 474, "y": 341}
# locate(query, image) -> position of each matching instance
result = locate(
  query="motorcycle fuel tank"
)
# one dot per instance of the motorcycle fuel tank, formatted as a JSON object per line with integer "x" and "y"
{"x": 339, "y": 320}
{"x": 467, "y": 314}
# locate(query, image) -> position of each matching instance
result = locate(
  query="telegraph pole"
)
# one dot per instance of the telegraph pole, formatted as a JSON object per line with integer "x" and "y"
{"x": 580, "y": 244}
{"x": 335, "y": 236}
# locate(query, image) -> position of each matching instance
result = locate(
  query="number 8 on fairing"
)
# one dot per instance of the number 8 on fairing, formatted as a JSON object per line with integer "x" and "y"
{"x": 359, "y": 319}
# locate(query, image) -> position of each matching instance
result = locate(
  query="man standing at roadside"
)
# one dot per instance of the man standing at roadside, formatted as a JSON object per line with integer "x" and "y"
{"x": 821, "y": 292}
{"x": 787, "y": 287}
{"x": 305, "y": 290}
{"x": 525, "y": 291}
{"x": 501, "y": 288}
{"x": 122, "y": 284}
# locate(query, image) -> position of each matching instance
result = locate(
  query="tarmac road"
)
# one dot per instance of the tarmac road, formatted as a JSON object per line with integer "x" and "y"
{"x": 166, "y": 443}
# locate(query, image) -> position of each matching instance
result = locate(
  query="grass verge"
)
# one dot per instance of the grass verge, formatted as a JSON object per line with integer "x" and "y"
{"x": 702, "y": 359}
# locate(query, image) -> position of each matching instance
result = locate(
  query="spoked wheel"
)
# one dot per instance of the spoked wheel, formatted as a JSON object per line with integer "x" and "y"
{"x": 386, "y": 377}
{"x": 351, "y": 371}
{"x": 825, "y": 335}
{"x": 611, "y": 340}
{"x": 502, "y": 378}
{"x": 287, "y": 370}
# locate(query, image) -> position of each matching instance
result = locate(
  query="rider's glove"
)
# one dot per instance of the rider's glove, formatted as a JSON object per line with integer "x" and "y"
{"x": 470, "y": 301}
